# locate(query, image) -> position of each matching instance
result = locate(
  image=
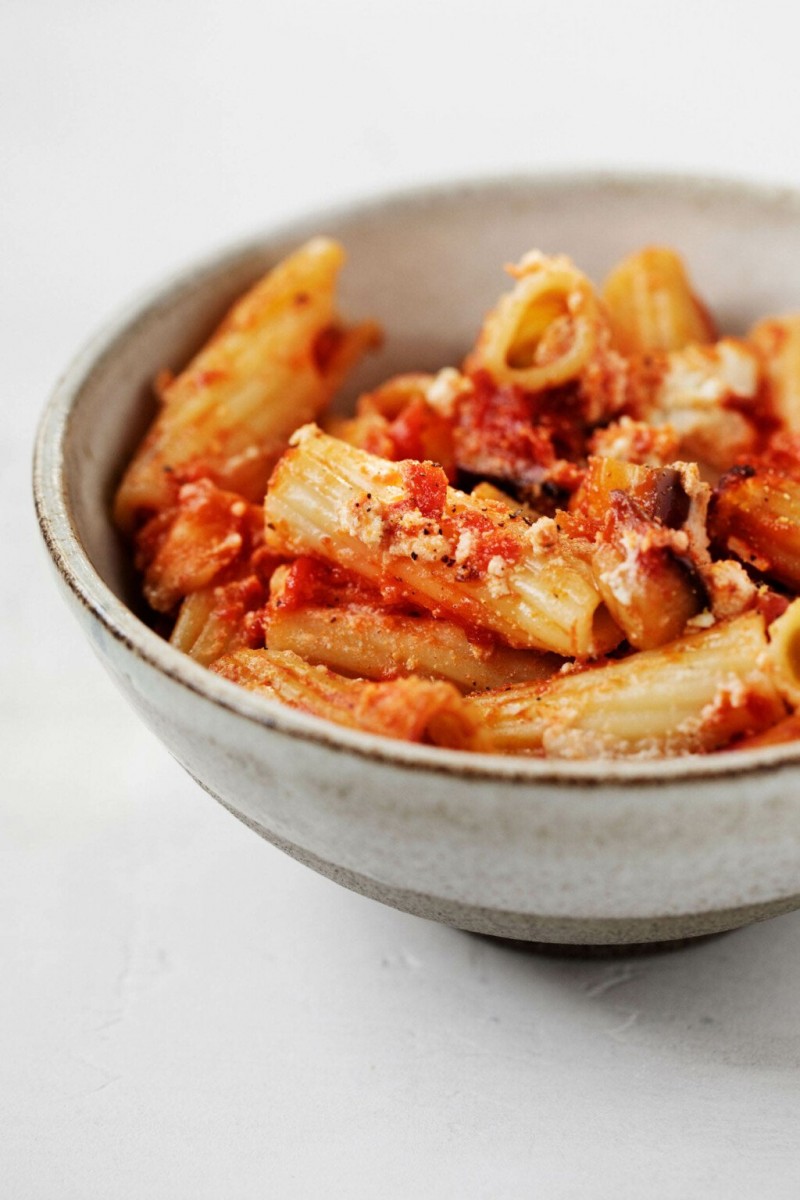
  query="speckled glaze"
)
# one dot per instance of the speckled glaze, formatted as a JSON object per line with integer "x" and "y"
{"x": 583, "y": 853}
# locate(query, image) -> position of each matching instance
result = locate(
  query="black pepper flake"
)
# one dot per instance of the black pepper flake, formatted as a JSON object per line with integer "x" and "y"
{"x": 414, "y": 555}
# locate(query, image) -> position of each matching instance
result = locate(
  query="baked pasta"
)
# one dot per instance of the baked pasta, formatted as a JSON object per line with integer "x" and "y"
{"x": 582, "y": 541}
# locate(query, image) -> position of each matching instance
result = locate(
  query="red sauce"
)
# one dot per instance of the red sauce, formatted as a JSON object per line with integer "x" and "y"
{"x": 239, "y": 597}
{"x": 771, "y": 605}
{"x": 504, "y": 432}
{"x": 487, "y": 541}
{"x": 407, "y": 431}
{"x": 781, "y": 454}
{"x": 495, "y": 432}
{"x": 426, "y": 485}
{"x": 419, "y": 432}
{"x": 309, "y": 581}
{"x": 326, "y": 343}
{"x": 206, "y": 379}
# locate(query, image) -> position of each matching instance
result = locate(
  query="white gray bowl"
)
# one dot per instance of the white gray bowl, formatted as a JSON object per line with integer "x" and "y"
{"x": 586, "y": 853}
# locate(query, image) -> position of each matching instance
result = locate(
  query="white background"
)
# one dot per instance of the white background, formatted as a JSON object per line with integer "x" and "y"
{"x": 184, "y": 1012}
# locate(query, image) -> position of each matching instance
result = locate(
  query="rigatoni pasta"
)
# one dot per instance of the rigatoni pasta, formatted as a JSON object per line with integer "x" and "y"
{"x": 581, "y": 541}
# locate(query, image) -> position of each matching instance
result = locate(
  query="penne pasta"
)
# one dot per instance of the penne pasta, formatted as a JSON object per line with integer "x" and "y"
{"x": 375, "y": 644}
{"x": 691, "y": 696}
{"x": 198, "y": 631}
{"x": 544, "y": 331}
{"x": 652, "y": 305}
{"x": 548, "y": 331}
{"x": 521, "y": 556}
{"x": 274, "y": 363}
{"x": 784, "y": 653}
{"x": 400, "y": 527}
{"x": 412, "y": 709}
{"x": 219, "y": 619}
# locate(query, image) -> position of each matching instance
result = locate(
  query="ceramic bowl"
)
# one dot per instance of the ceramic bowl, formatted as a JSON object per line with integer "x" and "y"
{"x": 583, "y": 853}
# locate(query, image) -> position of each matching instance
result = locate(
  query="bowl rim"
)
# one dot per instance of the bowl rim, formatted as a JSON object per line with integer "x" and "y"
{"x": 71, "y": 561}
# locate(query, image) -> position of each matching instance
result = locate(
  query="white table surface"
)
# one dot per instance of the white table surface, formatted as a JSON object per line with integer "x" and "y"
{"x": 185, "y": 1012}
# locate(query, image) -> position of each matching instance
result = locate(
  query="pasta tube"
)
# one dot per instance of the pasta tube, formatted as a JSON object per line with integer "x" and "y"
{"x": 400, "y": 527}
{"x": 550, "y": 330}
{"x": 583, "y": 431}
{"x": 374, "y": 644}
{"x": 412, "y": 709}
{"x": 274, "y": 363}
{"x": 777, "y": 340}
{"x": 691, "y": 696}
{"x": 652, "y": 305}
{"x": 784, "y": 653}
{"x": 218, "y": 619}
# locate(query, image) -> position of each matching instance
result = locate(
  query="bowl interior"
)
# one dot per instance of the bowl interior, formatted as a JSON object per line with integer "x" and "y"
{"x": 427, "y": 265}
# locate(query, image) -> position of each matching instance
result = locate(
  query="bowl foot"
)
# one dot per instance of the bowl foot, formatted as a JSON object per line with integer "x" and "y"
{"x": 611, "y": 950}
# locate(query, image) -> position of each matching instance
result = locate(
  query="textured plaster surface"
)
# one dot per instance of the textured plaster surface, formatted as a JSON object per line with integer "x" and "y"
{"x": 184, "y": 1010}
